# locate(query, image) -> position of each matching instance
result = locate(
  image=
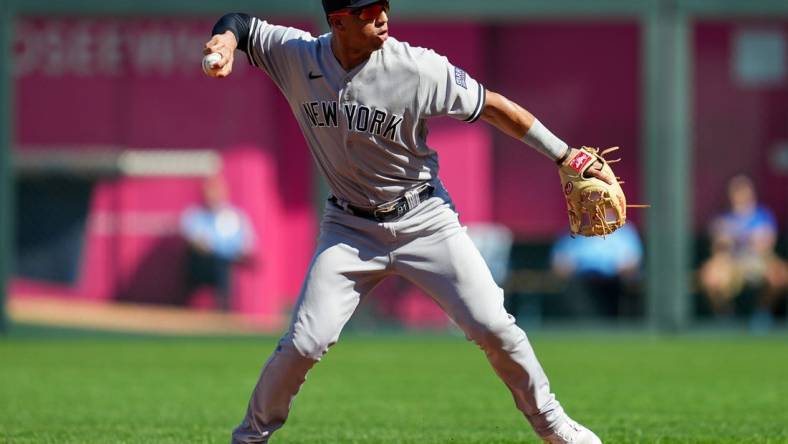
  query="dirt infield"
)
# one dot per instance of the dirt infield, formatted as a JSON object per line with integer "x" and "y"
{"x": 135, "y": 318}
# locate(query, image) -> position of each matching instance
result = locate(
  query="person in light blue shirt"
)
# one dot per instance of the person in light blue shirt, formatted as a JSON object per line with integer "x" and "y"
{"x": 598, "y": 269}
{"x": 218, "y": 235}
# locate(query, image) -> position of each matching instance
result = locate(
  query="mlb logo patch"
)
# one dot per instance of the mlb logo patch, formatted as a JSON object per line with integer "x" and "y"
{"x": 460, "y": 77}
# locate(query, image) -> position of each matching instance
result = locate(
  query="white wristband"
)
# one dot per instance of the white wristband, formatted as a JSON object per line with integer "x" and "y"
{"x": 544, "y": 141}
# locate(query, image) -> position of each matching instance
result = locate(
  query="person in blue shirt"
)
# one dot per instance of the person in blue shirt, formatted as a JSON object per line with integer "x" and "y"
{"x": 743, "y": 256}
{"x": 218, "y": 235}
{"x": 598, "y": 270}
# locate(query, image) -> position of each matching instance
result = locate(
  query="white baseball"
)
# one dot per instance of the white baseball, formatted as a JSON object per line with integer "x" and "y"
{"x": 209, "y": 61}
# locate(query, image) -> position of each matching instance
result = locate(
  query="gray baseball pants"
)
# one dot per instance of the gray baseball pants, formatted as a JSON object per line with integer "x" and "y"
{"x": 427, "y": 246}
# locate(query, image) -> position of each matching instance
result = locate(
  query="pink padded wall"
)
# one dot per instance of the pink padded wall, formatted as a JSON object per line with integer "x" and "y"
{"x": 90, "y": 84}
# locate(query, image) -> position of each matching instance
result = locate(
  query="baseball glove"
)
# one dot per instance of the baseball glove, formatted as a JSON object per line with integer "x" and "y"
{"x": 595, "y": 207}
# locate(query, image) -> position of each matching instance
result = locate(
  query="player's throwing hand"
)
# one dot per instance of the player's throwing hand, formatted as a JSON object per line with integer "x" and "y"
{"x": 223, "y": 44}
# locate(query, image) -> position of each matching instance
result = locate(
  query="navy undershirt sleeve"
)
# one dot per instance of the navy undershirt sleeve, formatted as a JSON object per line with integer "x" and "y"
{"x": 237, "y": 23}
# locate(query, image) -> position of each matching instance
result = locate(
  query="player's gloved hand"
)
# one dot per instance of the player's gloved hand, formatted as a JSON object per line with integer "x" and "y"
{"x": 225, "y": 45}
{"x": 595, "y": 201}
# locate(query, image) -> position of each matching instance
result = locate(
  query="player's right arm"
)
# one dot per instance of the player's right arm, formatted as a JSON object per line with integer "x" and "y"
{"x": 267, "y": 46}
{"x": 230, "y": 31}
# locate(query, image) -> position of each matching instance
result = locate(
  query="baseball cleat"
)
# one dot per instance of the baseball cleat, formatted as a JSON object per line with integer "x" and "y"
{"x": 572, "y": 433}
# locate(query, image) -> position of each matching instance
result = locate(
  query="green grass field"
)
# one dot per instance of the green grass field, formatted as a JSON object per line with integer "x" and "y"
{"x": 392, "y": 389}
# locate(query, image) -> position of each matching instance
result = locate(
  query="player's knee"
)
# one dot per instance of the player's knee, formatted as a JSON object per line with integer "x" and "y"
{"x": 494, "y": 334}
{"x": 311, "y": 346}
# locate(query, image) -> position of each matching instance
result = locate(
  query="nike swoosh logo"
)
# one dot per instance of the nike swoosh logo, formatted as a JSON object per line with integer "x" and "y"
{"x": 314, "y": 76}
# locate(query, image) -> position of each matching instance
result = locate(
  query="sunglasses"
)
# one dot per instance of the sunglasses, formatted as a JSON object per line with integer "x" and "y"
{"x": 370, "y": 12}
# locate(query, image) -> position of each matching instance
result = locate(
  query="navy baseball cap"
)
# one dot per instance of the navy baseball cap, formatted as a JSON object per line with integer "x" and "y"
{"x": 336, "y": 5}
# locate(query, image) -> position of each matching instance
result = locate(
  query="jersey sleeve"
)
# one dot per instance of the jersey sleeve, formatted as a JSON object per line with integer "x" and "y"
{"x": 447, "y": 90}
{"x": 273, "y": 48}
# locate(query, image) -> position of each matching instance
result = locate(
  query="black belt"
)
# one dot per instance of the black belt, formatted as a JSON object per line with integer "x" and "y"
{"x": 389, "y": 210}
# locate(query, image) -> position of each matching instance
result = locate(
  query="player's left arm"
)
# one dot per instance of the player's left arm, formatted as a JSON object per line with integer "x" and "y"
{"x": 515, "y": 121}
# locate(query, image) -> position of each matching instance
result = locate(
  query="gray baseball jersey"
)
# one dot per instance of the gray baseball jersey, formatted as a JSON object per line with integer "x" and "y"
{"x": 366, "y": 128}
{"x": 367, "y": 132}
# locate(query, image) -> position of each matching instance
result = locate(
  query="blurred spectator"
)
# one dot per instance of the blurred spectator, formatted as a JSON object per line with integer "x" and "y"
{"x": 600, "y": 271}
{"x": 218, "y": 235}
{"x": 743, "y": 258}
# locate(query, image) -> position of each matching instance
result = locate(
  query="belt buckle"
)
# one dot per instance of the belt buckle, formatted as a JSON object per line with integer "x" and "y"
{"x": 408, "y": 201}
{"x": 383, "y": 209}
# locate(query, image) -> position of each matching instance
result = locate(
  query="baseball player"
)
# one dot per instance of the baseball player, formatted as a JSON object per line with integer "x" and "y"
{"x": 363, "y": 100}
